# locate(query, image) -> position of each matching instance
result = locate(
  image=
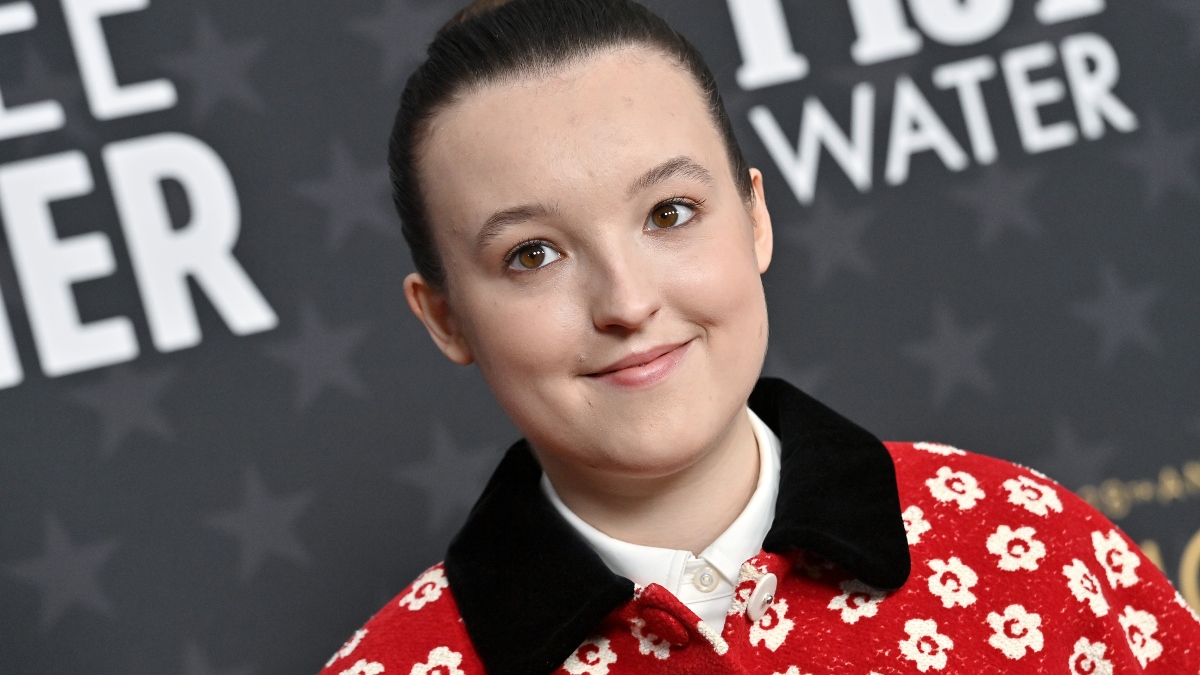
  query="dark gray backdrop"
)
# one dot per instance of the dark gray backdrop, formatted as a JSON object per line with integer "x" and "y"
{"x": 241, "y": 505}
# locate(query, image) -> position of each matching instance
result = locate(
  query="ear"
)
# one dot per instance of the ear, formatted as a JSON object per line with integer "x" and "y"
{"x": 433, "y": 310}
{"x": 764, "y": 241}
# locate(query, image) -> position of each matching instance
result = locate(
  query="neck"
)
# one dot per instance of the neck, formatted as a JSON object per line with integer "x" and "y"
{"x": 685, "y": 511}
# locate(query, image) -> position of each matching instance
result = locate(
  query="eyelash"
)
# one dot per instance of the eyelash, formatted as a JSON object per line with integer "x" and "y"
{"x": 512, "y": 253}
{"x": 695, "y": 204}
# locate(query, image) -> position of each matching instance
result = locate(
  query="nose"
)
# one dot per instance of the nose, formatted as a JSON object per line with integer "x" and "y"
{"x": 625, "y": 293}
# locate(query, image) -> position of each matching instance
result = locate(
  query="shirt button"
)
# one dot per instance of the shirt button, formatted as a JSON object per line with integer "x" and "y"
{"x": 706, "y": 580}
{"x": 762, "y": 597}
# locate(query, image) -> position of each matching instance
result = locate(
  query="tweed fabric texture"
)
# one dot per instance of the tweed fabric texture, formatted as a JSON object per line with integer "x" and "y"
{"x": 1010, "y": 573}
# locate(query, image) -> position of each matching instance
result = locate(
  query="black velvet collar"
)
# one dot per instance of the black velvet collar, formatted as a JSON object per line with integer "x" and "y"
{"x": 530, "y": 589}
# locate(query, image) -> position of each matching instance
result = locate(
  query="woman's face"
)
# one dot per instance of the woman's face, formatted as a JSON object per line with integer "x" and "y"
{"x": 603, "y": 270}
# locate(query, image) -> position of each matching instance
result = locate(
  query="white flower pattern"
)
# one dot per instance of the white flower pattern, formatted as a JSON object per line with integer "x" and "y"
{"x": 925, "y": 646}
{"x": 1119, "y": 563}
{"x": 1016, "y": 631}
{"x": 593, "y": 657}
{"x": 1017, "y": 549}
{"x": 365, "y": 667}
{"x": 649, "y": 643}
{"x": 427, "y": 588}
{"x": 1033, "y": 496}
{"x": 441, "y": 661}
{"x": 939, "y": 449}
{"x": 1183, "y": 603}
{"x": 959, "y": 487}
{"x": 1085, "y": 586}
{"x": 1139, "y": 628}
{"x": 983, "y": 625}
{"x": 348, "y": 648}
{"x": 1088, "y": 658}
{"x": 952, "y": 582}
{"x": 857, "y": 601}
{"x": 773, "y": 628}
{"x": 1033, "y": 471}
{"x": 741, "y": 596}
{"x": 915, "y": 524}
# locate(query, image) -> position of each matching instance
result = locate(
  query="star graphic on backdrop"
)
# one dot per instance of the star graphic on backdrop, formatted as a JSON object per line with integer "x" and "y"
{"x": 833, "y": 239}
{"x": 1165, "y": 159}
{"x": 196, "y": 663}
{"x": 807, "y": 379}
{"x": 401, "y": 30}
{"x": 1119, "y": 314}
{"x": 263, "y": 525}
{"x": 1189, "y": 11}
{"x": 954, "y": 355}
{"x": 127, "y": 401}
{"x": 39, "y": 83}
{"x": 352, "y": 196}
{"x": 66, "y": 574}
{"x": 1001, "y": 199}
{"x": 216, "y": 70}
{"x": 322, "y": 357}
{"x": 1074, "y": 461}
{"x": 451, "y": 479}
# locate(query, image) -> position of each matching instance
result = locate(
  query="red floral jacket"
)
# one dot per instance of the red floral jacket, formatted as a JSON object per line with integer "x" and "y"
{"x": 884, "y": 558}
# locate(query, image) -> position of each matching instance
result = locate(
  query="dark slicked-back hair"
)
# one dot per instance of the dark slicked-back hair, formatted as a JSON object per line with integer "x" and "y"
{"x": 495, "y": 40}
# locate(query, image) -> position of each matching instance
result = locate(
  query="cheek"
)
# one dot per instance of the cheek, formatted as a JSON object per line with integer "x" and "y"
{"x": 718, "y": 286}
{"x": 516, "y": 339}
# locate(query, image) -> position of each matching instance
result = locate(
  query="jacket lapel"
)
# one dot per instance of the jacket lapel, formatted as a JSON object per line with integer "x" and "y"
{"x": 837, "y": 488}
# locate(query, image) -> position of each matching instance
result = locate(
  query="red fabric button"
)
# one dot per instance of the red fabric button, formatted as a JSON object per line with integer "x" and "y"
{"x": 665, "y": 626}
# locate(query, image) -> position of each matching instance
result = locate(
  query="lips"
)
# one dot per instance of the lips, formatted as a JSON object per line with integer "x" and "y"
{"x": 645, "y": 367}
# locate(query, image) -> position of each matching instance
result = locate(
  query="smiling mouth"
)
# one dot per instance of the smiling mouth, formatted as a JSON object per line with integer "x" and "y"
{"x": 644, "y": 368}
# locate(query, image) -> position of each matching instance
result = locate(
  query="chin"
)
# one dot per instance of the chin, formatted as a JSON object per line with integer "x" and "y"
{"x": 653, "y": 448}
{"x": 627, "y": 462}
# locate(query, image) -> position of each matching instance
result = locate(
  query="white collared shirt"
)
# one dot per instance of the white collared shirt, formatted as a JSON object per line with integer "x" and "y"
{"x": 704, "y": 583}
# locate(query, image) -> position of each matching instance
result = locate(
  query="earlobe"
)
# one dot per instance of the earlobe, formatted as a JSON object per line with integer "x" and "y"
{"x": 431, "y": 307}
{"x": 764, "y": 241}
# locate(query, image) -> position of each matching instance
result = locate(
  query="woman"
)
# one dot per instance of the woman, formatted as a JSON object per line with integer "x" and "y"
{"x": 586, "y": 230}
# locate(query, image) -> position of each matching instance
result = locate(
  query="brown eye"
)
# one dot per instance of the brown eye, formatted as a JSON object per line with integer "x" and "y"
{"x": 665, "y": 215}
{"x": 670, "y": 214}
{"x": 532, "y": 256}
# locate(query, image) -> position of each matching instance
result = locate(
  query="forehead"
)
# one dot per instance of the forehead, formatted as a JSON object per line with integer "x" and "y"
{"x": 573, "y": 133}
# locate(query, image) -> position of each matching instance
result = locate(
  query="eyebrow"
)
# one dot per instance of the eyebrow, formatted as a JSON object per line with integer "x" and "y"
{"x": 500, "y": 220}
{"x": 676, "y": 167}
